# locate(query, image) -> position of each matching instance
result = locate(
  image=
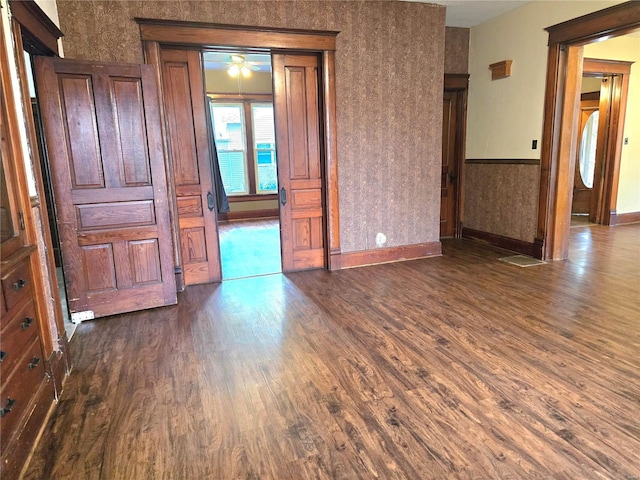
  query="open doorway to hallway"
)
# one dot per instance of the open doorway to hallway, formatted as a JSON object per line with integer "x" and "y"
{"x": 240, "y": 93}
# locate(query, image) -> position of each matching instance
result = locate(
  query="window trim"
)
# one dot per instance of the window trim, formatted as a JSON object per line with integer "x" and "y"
{"x": 247, "y": 100}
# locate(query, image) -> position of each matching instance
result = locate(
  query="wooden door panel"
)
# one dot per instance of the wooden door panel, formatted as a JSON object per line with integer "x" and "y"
{"x": 448, "y": 180}
{"x": 296, "y": 104}
{"x": 188, "y": 136}
{"x": 110, "y": 184}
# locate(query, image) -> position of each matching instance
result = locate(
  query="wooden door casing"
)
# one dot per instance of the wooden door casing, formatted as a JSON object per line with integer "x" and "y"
{"x": 448, "y": 193}
{"x": 185, "y": 116}
{"x": 298, "y": 143}
{"x": 102, "y": 125}
{"x": 581, "y": 202}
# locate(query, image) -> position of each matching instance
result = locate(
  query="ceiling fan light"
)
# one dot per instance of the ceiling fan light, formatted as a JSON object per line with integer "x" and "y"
{"x": 234, "y": 70}
{"x": 237, "y": 58}
{"x": 245, "y": 71}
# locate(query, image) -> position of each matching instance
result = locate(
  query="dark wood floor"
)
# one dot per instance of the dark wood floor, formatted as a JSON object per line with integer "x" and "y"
{"x": 453, "y": 367}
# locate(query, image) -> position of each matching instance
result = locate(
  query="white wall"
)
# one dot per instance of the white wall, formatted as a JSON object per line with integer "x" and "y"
{"x": 626, "y": 48}
{"x": 505, "y": 115}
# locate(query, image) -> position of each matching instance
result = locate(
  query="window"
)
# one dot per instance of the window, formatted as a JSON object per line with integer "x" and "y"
{"x": 245, "y": 170}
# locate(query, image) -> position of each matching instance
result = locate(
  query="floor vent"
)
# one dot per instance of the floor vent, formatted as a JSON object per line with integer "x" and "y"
{"x": 522, "y": 261}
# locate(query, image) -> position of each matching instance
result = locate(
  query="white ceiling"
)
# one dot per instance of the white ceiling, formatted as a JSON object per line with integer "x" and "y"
{"x": 469, "y": 13}
{"x": 222, "y": 60}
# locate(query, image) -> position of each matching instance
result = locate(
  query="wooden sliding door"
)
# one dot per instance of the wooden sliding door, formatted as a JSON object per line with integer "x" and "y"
{"x": 102, "y": 125}
{"x": 185, "y": 115}
{"x": 298, "y": 143}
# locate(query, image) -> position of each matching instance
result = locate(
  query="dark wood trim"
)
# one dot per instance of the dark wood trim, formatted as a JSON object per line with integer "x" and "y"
{"x": 251, "y": 154}
{"x": 599, "y": 66}
{"x": 152, "y": 56}
{"x": 202, "y": 35}
{"x": 330, "y": 149}
{"x": 39, "y": 277}
{"x": 502, "y": 161}
{"x": 43, "y": 32}
{"x": 564, "y": 72}
{"x": 250, "y": 214}
{"x": 616, "y": 20}
{"x": 533, "y": 249}
{"x": 216, "y": 35}
{"x": 252, "y": 198}
{"x": 456, "y": 81}
{"x": 585, "y": 97}
{"x": 391, "y": 254}
{"x": 16, "y": 454}
{"x": 459, "y": 83}
{"x": 624, "y": 218}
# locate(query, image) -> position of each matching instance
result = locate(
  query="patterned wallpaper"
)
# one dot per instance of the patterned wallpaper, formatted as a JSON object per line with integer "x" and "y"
{"x": 502, "y": 199}
{"x": 389, "y": 81}
{"x": 456, "y": 50}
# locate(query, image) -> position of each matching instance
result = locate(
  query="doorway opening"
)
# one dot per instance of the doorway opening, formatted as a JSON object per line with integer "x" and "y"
{"x": 37, "y": 144}
{"x": 239, "y": 89}
{"x": 562, "y": 98}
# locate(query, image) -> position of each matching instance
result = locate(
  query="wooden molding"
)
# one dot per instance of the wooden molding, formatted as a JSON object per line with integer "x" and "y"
{"x": 215, "y": 34}
{"x": 156, "y": 32}
{"x": 456, "y": 81}
{"x": 599, "y": 66}
{"x": 390, "y": 254}
{"x": 584, "y": 97}
{"x": 500, "y": 69}
{"x": 624, "y": 218}
{"x": 502, "y": 161}
{"x": 533, "y": 249}
{"x": 251, "y": 198}
{"x": 250, "y": 214}
{"x": 616, "y": 20}
{"x": 44, "y": 34}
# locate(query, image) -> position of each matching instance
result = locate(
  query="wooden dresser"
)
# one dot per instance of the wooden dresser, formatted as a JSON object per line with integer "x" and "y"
{"x": 28, "y": 345}
{"x": 26, "y": 389}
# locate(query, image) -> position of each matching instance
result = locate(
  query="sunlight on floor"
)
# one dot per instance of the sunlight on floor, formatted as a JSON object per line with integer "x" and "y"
{"x": 250, "y": 248}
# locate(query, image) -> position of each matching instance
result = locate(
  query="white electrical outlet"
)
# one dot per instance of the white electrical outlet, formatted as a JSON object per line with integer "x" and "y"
{"x": 381, "y": 239}
{"x": 79, "y": 317}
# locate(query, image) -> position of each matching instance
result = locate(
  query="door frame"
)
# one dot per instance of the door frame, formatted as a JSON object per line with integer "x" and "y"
{"x": 614, "y": 105}
{"x": 459, "y": 83}
{"x": 155, "y": 33}
{"x": 562, "y": 97}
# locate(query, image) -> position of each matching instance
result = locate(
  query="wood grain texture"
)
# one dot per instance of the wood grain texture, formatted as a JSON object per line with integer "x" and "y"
{"x": 441, "y": 368}
{"x": 93, "y": 115}
{"x": 186, "y": 122}
{"x": 564, "y": 69}
{"x": 388, "y": 127}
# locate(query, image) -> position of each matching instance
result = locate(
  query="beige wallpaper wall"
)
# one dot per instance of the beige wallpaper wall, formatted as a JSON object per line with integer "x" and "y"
{"x": 389, "y": 74}
{"x": 456, "y": 50}
{"x": 502, "y": 199}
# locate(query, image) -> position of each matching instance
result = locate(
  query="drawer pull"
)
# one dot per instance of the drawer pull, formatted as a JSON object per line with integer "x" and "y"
{"x": 3, "y": 354}
{"x": 34, "y": 363}
{"x": 19, "y": 284}
{"x": 4, "y": 410}
{"x": 28, "y": 321}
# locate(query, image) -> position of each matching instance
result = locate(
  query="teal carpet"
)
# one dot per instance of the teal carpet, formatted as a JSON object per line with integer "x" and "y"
{"x": 249, "y": 248}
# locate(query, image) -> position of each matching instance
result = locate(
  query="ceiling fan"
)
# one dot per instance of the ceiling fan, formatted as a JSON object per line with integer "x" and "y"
{"x": 239, "y": 65}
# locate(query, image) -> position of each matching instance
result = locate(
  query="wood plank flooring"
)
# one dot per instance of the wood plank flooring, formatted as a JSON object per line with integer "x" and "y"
{"x": 453, "y": 367}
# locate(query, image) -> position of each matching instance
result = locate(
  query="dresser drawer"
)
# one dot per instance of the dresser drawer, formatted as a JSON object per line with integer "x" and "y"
{"x": 18, "y": 390}
{"x": 16, "y": 284}
{"x": 16, "y": 336}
